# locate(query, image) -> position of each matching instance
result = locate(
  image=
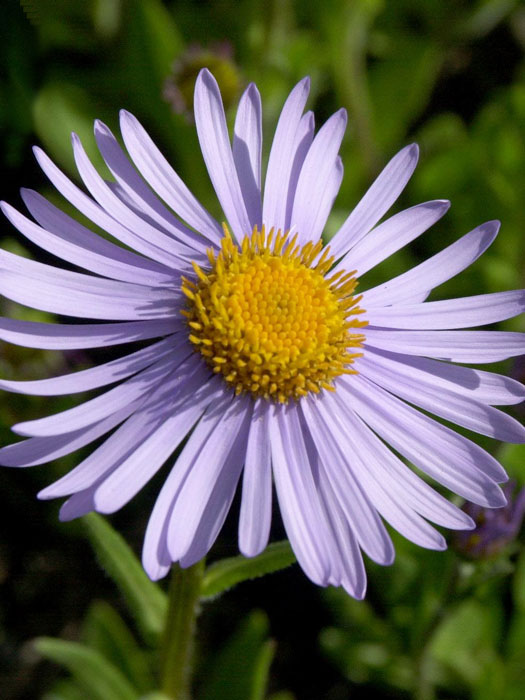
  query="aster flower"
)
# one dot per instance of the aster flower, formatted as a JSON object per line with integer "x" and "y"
{"x": 495, "y": 528}
{"x": 264, "y": 353}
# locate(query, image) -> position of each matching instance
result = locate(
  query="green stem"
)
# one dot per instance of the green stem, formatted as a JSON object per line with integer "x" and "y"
{"x": 178, "y": 642}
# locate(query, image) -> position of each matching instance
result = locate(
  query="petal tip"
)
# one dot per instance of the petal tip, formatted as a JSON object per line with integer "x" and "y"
{"x": 100, "y": 128}
{"x": 204, "y": 73}
{"x": 467, "y": 524}
{"x": 154, "y": 571}
{"x": 440, "y": 544}
{"x": 46, "y": 494}
{"x": 356, "y": 590}
{"x": 497, "y": 498}
{"x": 126, "y": 116}
{"x": 252, "y": 89}
{"x": 19, "y": 429}
{"x": 413, "y": 150}
{"x": 207, "y": 77}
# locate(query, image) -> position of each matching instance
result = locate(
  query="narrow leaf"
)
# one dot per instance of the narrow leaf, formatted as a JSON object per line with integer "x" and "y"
{"x": 65, "y": 689}
{"x": 225, "y": 574}
{"x": 105, "y": 631}
{"x": 518, "y": 584}
{"x": 59, "y": 109}
{"x": 261, "y": 670}
{"x": 146, "y": 601}
{"x": 99, "y": 679}
{"x": 235, "y": 672}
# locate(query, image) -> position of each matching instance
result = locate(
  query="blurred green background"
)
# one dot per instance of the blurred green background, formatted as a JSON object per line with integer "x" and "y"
{"x": 449, "y": 74}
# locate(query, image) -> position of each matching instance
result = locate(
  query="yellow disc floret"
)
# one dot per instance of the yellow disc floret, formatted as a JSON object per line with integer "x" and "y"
{"x": 269, "y": 318}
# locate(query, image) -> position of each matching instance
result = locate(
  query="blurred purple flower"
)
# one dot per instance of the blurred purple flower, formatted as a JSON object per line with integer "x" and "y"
{"x": 494, "y": 528}
{"x": 266, "y": 357}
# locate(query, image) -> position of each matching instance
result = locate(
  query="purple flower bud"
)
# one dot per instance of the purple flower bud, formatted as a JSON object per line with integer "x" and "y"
{"x": 495, "y": 528}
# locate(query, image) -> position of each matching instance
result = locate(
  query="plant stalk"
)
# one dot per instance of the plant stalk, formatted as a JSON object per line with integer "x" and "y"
{"x": 179, "y": 632}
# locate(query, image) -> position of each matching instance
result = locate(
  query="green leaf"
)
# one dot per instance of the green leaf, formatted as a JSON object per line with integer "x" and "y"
{"x": 158, "y": 36}
{"x": 401, "y": 86}
{"x": 225, "y": 574}
{"x": 515, "y": 641}
{"x": 493, "y": 681}
{"x": 514, "y": 666}
{"x": 107, "y": 17}
{"x": 65, "y": 689}
{"x": 365, "y": 644}
{"x": 147, "y": 49}
{"x": 261, "y": 670}
{"x": 105, "y": 631}
{"x": 146, "y": 602}
{"x": 518, "y": 584}
{"x": 99, "y": 678}
{"x": 512, "y": 457}
{"x": 485, "y": 17}
{"x": 240, "y": 670}
{"x": 59, "y": 109}
{"x": 465, "y": 641}
{"x": 63, "y": 26}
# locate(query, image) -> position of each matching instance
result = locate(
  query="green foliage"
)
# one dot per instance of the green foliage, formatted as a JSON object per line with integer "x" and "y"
{"x": 447, "y": 74}
{"x": 109, "y": 661}
{"x": 437, "y": 625}
{"x": 146, "y": 601}
{"x": 465, "y": 641}
{"x": 65, "y": 690}
{"x": 105, "y": 631}
{"x": 513, "y": 459}
{"x": 227, "y": 573}
{"x": 150, "y": 45}
{"x": 95, "y": 675}
{"x": 240, "y": 670}
{"x": 60, "y": 109}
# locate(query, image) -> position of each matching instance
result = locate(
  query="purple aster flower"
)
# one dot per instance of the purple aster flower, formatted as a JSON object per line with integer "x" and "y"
{"x": 495, "y": 529}
{"x": 264, "y": 354}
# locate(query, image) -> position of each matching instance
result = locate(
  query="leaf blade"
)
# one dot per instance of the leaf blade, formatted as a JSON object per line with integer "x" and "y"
{"x": 146, "y": 602}
{"x": 225, "y": 574}
{"x": 99, "y": 678}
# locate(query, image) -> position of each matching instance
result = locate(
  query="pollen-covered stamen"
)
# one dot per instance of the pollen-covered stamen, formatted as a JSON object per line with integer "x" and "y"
{"x": 268, "y": 316}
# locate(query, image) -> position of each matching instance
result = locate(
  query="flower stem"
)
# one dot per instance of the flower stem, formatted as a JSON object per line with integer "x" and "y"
{"x": 178, "y": 642}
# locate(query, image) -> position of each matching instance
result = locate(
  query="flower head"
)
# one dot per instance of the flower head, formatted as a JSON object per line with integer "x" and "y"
{"x": 265, "y": 352}
{"x": 268, "y": 318}
{"x": 495, "y": 529}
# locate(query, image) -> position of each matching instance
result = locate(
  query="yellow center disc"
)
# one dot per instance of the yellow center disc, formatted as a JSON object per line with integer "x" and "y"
{"x": 268, "y": 318}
